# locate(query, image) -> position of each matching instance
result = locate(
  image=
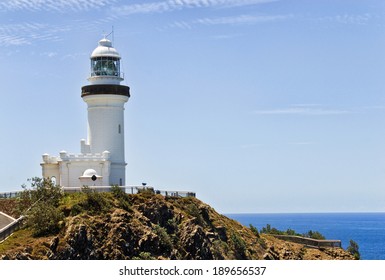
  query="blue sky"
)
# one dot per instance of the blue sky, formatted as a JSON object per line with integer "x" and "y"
{"x": 257, "y": 105}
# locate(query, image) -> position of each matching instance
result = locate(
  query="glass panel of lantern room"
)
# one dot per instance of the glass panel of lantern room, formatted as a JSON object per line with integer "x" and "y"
{"x": 96, "y": 66}
{"x": 105, "y": 66}
{"x": 117, "y": 63}
{"x": 109, "y": 67}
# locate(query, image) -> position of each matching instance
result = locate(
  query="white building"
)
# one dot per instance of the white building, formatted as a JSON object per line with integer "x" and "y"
{"x": 101, "y": 160}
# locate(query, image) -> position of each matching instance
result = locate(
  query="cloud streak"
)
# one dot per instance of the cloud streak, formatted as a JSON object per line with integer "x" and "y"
{"x": 53, "y": 5}
{"x": 351, "y": 19}
{"x": 311, "y": 110}
{"x": 27, "y": 32}
{"x": 230, "y": 20}
{"x": 242, "y": 19}
{"x": 174, "y": 5}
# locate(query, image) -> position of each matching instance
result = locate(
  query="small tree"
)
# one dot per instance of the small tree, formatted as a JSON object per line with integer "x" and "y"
{"x": 254, "y": 230}
{"x": 39, "y": 203}
{"x": 353, "y": 249}
{"x": 314, "y": 235}
{"x": 41, "y": 190}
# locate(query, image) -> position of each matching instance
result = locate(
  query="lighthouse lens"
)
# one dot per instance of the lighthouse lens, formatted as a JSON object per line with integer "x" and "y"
{"x": 104, "y": 66}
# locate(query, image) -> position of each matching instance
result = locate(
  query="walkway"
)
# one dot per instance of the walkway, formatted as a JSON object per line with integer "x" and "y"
{"x": 5, "y": 220}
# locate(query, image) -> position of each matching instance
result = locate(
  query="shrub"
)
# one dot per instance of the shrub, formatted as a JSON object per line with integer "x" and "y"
{"x": 121, "y": 196}
{"x": 310, "y": 234}
{"x": 41, "y": 190}
{"x": 254, "y": 230}
{"x": 314, "y": 235}
{"x": 165, "y": 242}
{"x": 94, "y": 202}
{"x": 239, "y": 246}
{"x": 39, "y": 203}
{"x": 269, "y": 230}
{"x": 353, "y": 249}
{"x": 194, "y": 211}
{"x": 220, "y": 249}
{"x": 45, "y": 219}
{"x": 146, "y": 191}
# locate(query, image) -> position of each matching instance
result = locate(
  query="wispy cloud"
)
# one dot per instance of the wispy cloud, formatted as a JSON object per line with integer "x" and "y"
{"x": 311, "y": 109}
{"x": 13, "y": 40}
{"x": 53, "y": 5}
{"x": 353, "y": 19}
{"x": 242, "y": 19}
{"x": 27, "y": 32}
{"x": 230, "y": 20}
{"x": 174, "y": 5}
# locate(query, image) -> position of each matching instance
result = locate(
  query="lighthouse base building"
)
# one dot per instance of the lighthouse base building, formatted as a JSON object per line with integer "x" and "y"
{"x": 101, "y": 160}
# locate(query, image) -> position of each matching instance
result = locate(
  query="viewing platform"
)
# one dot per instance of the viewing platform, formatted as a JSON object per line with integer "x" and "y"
{"x": 310, "y": 242}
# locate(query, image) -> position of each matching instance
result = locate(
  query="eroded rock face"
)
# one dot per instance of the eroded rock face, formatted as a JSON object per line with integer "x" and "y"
{"x": 155, "y": 227}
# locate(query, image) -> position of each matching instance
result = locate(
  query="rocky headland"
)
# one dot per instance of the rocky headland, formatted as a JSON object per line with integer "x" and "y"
{"x": 148, "y": 226}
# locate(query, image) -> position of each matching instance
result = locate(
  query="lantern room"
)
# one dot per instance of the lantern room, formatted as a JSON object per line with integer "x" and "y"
{"x": 105, "y": 64}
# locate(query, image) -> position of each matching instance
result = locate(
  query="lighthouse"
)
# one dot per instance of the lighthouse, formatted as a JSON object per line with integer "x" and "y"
{"x": 105, "y": 98}
{"x": 101, "y": 161}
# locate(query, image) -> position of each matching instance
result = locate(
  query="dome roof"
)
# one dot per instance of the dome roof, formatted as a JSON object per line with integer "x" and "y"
{"x": 105, "y": 49}
{"x": 90, "y": 173}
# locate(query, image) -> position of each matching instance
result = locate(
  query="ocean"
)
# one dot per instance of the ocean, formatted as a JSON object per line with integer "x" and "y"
{"x": 367, "y": 229}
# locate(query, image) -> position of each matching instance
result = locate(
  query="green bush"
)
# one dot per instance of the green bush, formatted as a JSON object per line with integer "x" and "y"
{"x": 193, "y": 211}
{"x": 269, "y": 230}
{"x": 353, "y": 249}
{"x": 41, "y": 190}
{"x": 314, "y": 235}
{"x": 165, "y": 241}
{"x": 219, "y": 249}
{"x": 254, "y": 230}
{"x": 310, "y": 234}
{"x": 121, "y": 196}
{"x": 39, "y": 203}
{"x": 94, "y": 201}
{"x": 45, "y": 219}
{"x": 239, "y": 246}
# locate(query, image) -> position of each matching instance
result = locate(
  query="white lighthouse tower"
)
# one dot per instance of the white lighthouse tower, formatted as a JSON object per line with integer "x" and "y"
{"x": 105, "y": 98}
{"x": 101, "y": 161}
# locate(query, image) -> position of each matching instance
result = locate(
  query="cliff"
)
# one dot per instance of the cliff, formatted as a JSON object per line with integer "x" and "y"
{"x": 148, "y": 226}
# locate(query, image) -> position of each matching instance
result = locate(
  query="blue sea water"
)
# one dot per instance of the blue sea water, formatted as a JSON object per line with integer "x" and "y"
{"x": 367, "y": 229}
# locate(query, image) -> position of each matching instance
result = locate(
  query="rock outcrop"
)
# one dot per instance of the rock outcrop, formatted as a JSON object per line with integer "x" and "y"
{"x": 155, "y": 227}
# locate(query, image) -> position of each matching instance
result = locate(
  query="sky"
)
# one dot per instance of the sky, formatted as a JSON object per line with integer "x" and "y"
{"x": 259, "y": 106}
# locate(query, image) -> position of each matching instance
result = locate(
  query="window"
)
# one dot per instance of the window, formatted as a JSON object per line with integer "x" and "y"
{"x": 120, "y": 182}
{"x": 119, "y": 129}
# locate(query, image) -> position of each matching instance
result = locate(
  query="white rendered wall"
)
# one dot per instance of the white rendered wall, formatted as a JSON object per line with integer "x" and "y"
{"x": 69, "y": 168}
{"x": 71, "y": 171}
{"x": 50, "y": 170}
{"x": 106, "y": 130}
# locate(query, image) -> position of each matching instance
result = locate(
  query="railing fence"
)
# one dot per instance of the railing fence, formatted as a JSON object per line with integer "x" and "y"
{"x": 10, "y": 228}
{"x": 310, "y": 241}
